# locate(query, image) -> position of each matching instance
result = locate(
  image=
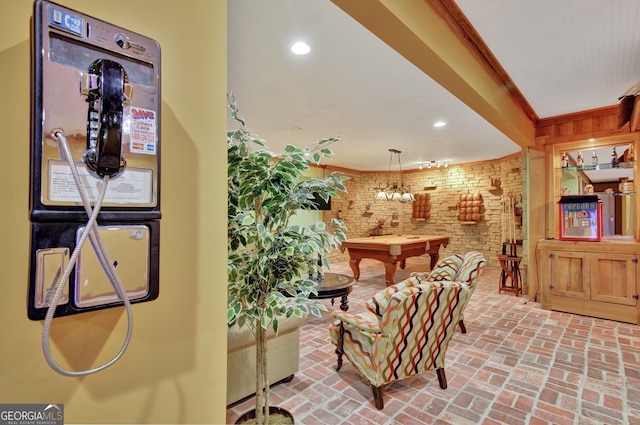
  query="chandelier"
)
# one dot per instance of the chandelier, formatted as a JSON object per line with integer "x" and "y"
{"x": 393, "y": 191}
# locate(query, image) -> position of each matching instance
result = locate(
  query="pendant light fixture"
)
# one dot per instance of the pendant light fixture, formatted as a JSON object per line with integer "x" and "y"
{"x": 393, "y": 191}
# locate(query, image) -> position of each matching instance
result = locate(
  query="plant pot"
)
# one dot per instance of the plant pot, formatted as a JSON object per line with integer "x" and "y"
{"x": 272, "y": 411}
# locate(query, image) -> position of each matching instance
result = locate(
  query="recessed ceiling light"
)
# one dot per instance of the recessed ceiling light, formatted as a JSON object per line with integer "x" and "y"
{"x": 440, "y": 124}
{"x": 300, "y": 48}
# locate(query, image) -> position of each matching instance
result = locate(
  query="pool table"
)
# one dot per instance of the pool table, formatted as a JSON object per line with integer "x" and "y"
{"x": 391, "y": 250}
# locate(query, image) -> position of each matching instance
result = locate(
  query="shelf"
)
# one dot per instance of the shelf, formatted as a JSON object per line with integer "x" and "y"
{"x": 616, "y": 194}
{"x": 592, "y": 167}
{"x": 468, "y": 222}
{"x": 430, "y": 187}
{"x": 603, "y": 194}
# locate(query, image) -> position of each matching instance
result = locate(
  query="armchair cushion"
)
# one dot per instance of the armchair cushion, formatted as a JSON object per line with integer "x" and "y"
{"x": 378, "y": 304}
{"x": 446, "y": 269}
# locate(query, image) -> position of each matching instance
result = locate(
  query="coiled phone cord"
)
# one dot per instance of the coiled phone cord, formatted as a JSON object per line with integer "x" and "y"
{"x": 91, "y": 231}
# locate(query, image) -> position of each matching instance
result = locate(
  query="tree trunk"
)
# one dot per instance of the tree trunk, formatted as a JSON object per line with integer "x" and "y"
{"x": 265, "y": 377}
{"x": 262, "y": 377}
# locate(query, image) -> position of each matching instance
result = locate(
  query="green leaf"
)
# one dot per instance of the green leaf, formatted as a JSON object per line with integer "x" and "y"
{"x": 314, "y": 310}
{"x": 314, "y": 246}
{"x": 247, "y": 220}
{"x": 231, "y": 315}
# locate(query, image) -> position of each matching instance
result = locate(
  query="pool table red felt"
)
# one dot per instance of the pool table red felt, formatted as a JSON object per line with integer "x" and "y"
{"x": 391, "y": 250}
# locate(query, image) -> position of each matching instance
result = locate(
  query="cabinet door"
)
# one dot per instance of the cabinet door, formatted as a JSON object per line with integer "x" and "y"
{"x": 613, "y": 278}
{"x": 570, "y": 273}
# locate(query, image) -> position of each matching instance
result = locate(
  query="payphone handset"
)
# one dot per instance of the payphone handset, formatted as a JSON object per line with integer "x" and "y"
{"x": 95, "y": 168}
{"x": 104, "y": 117}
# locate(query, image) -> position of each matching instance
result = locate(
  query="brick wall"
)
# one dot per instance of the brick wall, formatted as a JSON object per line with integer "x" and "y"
{"x": 360, "y": 212}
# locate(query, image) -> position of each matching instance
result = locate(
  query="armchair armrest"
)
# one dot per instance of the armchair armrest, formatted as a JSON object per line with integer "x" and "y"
{"x": 366, "y": 322}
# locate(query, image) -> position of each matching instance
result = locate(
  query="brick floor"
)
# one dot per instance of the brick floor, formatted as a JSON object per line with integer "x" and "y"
{"x": 517, "y": 364}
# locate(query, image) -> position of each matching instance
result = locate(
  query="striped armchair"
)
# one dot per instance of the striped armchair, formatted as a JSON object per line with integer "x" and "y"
{"x": 409, "y": 336}
{"x": 461, "y": 268}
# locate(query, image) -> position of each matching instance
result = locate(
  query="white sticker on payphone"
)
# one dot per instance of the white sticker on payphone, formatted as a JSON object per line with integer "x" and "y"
{"x": 134, "y": 186}
{"x": 143, "y": 131}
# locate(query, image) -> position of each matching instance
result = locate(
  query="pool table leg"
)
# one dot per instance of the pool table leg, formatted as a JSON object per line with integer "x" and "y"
{"x": 355, "y": 266}
{"x": 389, "y": 272}
{"x": 434, "y": 259}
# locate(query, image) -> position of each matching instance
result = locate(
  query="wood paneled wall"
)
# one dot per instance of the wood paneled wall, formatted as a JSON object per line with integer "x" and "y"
{"x": 594, "y": 123}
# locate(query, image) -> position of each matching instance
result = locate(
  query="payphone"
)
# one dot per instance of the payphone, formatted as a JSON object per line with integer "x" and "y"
{"x": 95, "y": 166}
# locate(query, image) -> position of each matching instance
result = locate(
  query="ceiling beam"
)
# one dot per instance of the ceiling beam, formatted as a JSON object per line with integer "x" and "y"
{"x": 417, "y": 30}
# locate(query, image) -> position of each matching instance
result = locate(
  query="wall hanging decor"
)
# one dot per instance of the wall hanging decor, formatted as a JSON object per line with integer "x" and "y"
{"x": 421, "y": 207}
{"x": 470, "y": 208}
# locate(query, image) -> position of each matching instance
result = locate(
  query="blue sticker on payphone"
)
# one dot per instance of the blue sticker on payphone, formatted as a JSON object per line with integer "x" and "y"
{"x": 66, "y": 21}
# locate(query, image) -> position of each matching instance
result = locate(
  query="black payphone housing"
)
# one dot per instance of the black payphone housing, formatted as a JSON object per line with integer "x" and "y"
{"x": 98, "y": 85}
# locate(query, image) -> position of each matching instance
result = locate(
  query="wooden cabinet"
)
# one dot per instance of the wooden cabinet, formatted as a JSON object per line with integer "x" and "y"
{"x": 613, "y": 278}
{"x": 569, "y": 274}
{"x": 599, "y": 279}
{"x": 592, "y": 278}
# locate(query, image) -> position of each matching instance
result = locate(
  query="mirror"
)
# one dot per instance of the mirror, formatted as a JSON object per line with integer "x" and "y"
{"x": 608, "y": 172}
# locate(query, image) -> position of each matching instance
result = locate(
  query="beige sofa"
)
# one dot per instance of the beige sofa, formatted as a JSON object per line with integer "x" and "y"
{"x": 283, "y": 357}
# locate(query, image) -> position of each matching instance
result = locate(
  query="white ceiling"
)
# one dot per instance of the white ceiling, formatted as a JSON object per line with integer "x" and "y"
{"x": 564, "y": 56}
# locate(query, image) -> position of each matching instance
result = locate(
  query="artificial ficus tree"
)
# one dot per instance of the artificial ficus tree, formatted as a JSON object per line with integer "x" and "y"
{"x": 270, "y": 261}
